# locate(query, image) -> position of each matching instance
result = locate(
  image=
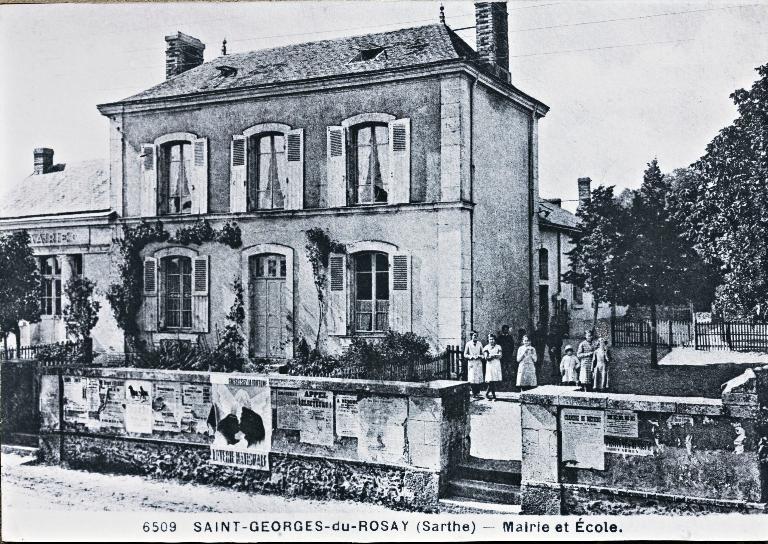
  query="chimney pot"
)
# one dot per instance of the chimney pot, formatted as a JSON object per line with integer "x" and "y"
{"x": 43, "y": 160}
{"x": 585, "y": 191}
{"x": 493, "y": 36}
{"x": 183, "y": 53}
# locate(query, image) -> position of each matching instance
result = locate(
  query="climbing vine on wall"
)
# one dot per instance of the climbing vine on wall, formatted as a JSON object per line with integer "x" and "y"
{"x": 319, "y": 247}
{"x": 125, "y": 297}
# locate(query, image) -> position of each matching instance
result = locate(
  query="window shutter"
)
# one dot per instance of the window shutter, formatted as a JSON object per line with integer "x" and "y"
{"x": 200, "y": 293}
{"x": 337, "y": 302}
{"x": 295, "y": 153}
{"x": 148, "y": 158}
{"x": 400, "y": 161}
{"x": 238, "y": 174}
{"x": 150, "y": 292}
{"x": 400, "y": 292}
{"x": 337, "y": 167}
{"x": 200, "y": 180}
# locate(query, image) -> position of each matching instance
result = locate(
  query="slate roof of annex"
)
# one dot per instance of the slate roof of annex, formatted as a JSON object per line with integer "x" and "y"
{"x": 73, "y": 188}
{"x": 402, "y": 48}
{"x": 557, "y": 217}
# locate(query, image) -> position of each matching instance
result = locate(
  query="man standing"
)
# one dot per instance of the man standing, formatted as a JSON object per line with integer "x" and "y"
{"x": 508, "y": 363}
{"x": 555, "y": 344}
{"x": 539, "y": 342}
{"x": 473, "y": 353}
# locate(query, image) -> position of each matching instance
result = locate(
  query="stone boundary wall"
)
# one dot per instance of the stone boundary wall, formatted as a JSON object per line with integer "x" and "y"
{"x": 385, "y": 442}
{"x": 605, "y": 453}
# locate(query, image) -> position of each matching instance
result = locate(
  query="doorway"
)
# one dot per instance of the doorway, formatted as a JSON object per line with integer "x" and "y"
{"x": 268, "y": 319}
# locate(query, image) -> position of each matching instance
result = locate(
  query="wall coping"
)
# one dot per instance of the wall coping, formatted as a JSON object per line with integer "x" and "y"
{"x": 570, "y": 397}
{"x": 435, "y": 388}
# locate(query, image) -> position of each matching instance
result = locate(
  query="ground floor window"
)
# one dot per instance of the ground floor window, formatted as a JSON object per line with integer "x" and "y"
{"x": 50, "y": 287}
{"x": 371, "y": 292}
{"x": 176, "y": 274}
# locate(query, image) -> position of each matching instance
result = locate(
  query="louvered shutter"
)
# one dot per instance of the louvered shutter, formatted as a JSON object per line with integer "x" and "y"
{"x": 150, "y": 293}
{"x": 200, "y": 178}
{"x": 148, "y": 159}
{"x": 337, "y": 301}
{"x": 238, "y": 174}
{"x": 200, "y": 293}
{"x": 400, "y": 161}
{"x": 400, "y": 292}
{"x": 295, "y": 153}
{"x": 337, "y": 167}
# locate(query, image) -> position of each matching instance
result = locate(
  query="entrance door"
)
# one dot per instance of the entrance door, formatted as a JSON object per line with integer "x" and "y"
{"x": 544, "y": 304}
{"x": 268, "y": 306}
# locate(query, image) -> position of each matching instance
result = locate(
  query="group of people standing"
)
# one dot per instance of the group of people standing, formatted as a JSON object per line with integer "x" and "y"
{"x": 588, "y": 367}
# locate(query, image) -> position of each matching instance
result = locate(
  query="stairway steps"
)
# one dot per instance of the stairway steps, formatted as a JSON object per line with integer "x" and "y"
{"x": 458, "y": 505}
{"x": 479, "y": 490}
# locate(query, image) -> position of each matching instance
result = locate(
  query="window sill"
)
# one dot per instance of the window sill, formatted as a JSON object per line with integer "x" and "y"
{"x": 174, "y": 335}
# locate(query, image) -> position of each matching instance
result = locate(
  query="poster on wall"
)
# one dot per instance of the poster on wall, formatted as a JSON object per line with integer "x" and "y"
{"x": 49, "y": 402}
{"x": 111, "y": 410}
{"x": 166, "y": 407}
{"x": 316, "y": 413}
{"x": 243, "y": 421}
{"x": 583, "y": 436}
{"x": 138, "y": 406}
{"x": 347, "y": 416}
{"x": 628, "y": 446}
{"x": 75, "y": 400}
{"x": 196, "y": 409}
{"x": 621, "y": 423}
{"x": 287, "y": 406}
{"x": 382, "y": 429}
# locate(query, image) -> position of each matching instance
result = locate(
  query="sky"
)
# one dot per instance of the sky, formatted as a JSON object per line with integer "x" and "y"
{"x": 625, "y": 81}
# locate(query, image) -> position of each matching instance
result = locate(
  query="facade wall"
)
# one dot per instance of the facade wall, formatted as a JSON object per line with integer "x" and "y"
{"x": 314, "y": 112}
{"x": 416, "y": 231}
{"x": 500, "y": 234}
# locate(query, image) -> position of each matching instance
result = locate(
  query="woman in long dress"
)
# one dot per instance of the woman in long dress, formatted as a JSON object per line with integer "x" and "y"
{"x": 584, "y": 353}
{"x": 492, "y": 352}
{"x": 473, "y": 353}
{"x": 526, "y": 365}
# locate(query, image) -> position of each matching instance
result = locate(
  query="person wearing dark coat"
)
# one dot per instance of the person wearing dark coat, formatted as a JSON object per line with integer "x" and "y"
{"x": 508, "y": 363}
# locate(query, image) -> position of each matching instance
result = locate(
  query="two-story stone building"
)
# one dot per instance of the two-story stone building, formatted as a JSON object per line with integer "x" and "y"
{"x": 408, "y": 147}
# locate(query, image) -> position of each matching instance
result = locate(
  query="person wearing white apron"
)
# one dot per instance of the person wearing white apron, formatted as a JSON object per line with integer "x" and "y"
{"x": 526, "y": 365}
{"x": 492, "y": 353}
{"x": 473, "y": 353}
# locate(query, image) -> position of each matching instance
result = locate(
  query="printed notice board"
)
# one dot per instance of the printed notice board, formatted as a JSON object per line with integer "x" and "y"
{"x": 316, "y": 410}
{"x": 583, "y": 435}
{"x": 621, "y": 423}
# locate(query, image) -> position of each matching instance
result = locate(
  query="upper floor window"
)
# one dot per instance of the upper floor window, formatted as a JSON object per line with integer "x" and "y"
{"x": 543, "y": 264}
{"x": 266, "y": 172}
{"x": 370, "y": 163}
{"x": 267, "y": 168}
{"x": 174, "y": 175}
{"x": 174, "y": 195}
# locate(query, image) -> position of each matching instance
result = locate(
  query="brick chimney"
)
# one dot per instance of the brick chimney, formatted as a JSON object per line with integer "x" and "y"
{"x": 183, "y": 53}
{"x": 43, "y": 160}
{"x": 493, "y": 36}
{"x": 585, "y": 190}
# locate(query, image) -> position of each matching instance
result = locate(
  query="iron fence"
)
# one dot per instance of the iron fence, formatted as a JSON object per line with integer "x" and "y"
{"x": 66, "y": 350}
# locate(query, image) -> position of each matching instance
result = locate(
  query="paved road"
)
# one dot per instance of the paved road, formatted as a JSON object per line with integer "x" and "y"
{"x": 43, "y": 487}
{"x": 495, "y": 428}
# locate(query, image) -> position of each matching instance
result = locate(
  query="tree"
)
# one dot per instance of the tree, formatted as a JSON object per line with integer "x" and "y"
{"x": 658, "y": 266}
{"x": 20, "y": 286}
{"x": 728, "y": 215}
{"x": 82, "y": 312}
{"x": 597, "y": 247}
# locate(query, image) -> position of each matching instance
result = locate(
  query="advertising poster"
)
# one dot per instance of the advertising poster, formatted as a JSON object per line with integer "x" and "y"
{"x": 347, "y": 416}
{"x": 111, "y": 410}
{"x": 382, "y": 429}
{"x": 628, "y": 446}
{"x": 166, "y": 407}
{"x": 138, "y": 406}
{"x": 583, "y": 435}
{"x": 287, "y": 405}
{"x": 49, "y": 402}
{"x": 243, "y": 421}
{"x": 316, "y": 412}
{"x": 621, "y": 423}
{"x": 75, "y": 400}
{"x": 196, "y": 409}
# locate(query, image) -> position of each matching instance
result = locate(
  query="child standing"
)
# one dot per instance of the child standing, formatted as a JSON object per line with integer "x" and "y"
{"x": 569, "y": 366}
{"x": 600, "y": 360}
{"x": 492, "y": 353}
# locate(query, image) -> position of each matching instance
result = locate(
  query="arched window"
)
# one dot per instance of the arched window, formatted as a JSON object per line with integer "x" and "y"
{"x": 267, "y": 165}
{"x": 174, "y": 193}
{"x": 371, "y": 291}
{"x": 370, "y": 145}
{"x": 176, "y": 292}
{"x": 543, "y": 264}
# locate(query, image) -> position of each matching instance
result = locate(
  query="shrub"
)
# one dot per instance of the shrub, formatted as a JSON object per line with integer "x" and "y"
{"x": 61, "y": 354}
